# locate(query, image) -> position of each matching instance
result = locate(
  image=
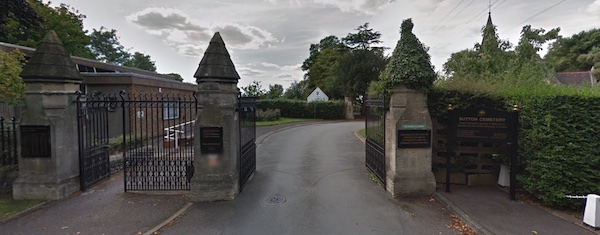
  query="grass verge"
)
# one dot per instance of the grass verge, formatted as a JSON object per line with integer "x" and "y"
{"x": 10, "y": 207}
{"x": 281, "y": 121}
{"x": 363, "y": 132}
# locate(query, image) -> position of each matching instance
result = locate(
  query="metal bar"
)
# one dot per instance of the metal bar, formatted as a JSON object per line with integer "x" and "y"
{"x": 126, "y": 161}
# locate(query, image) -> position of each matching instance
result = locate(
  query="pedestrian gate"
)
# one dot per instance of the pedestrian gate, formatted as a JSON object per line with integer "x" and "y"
{"x": 375, "y": 138}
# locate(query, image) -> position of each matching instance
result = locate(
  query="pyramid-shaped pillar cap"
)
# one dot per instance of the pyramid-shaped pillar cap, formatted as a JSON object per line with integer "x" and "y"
{"x": 50, "y": 63}
{"x": 216, "y": 65}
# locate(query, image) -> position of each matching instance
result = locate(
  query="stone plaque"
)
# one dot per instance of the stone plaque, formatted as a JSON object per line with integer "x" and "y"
{"x": 211, "y": 140}
{"x": 35, "y": 142}
{"x": 414, "y": 138}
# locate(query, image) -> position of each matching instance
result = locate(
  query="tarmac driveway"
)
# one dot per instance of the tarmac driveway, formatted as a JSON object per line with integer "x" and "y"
{"x": 312, "y": 180}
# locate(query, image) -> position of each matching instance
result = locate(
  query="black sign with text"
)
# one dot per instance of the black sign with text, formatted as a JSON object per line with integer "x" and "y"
{"x": 481, "y": 125}
{"x": 211, "y": 140}
{"x": 414, "y": 138}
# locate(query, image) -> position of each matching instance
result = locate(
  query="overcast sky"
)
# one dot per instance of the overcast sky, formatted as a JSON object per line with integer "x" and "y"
{"x": 269, "y": 39}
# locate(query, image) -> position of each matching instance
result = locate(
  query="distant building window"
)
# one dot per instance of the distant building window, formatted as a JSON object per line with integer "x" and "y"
{"x": 317, "y": 93}
{"x": 170, "y": 109}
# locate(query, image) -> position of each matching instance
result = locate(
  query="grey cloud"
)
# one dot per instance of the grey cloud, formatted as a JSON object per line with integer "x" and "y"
{"x": 155, "y": 20}
{"x": 233, "y": 35}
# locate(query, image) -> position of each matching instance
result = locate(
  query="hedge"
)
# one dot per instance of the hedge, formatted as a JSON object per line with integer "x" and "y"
{"x": 559, "y": 139}
{"x": 302, "y": 109}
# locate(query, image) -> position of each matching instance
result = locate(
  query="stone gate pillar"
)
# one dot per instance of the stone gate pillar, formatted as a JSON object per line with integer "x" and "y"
{"x": 49, "y": 160}
{"x": 408, "y": 144}
{"x": 216, "y": 131}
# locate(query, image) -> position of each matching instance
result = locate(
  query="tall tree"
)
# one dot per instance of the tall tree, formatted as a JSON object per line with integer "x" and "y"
{"x": 410, "y": 64}
{"x": 106, "y": 47}
{"x": 66, "y": 21}
{"x": 296, "y": 91}
{"x": 17, "y": 17}
{"x": 364, "y": 39}
{"x": 141, "y": 61}
{"x": 274, "y": 92}
{"x": 361, "y": 64}
{"x": 563, "y": 53}
{"x": 254, "y": 89}
{"x": 11, "y": 84}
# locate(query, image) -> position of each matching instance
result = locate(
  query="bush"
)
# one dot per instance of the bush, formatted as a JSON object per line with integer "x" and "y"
{"x": 268, "y": 114}
{"x": 115, "y": 144}
{"x": 302, "y": 109}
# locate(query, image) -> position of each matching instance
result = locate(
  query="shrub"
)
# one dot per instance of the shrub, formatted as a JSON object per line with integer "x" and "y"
{"x": 115, "y": 144}
{"x": 268, "y": 114}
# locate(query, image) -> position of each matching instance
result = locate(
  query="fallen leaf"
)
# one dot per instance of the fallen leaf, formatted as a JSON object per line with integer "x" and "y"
{"x": 64, "y": 227}
{"x": 534, "y": 232}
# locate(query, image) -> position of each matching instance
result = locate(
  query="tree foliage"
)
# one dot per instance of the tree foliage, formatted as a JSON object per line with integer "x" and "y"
{"x": 176, "y": 76}
{"x": 296, "y": 91}
{"x": 66, "y": 21}
{"x": 11, "y": 84}
{"x": 254, "y": 89}
{"x": 274, "y": 92}
{"x": 493, "y": 61}
{"x": 563, "y": 53}
{"x": 141, "y": 61}
{"x": 345, "y": 67}
{"x": 410, "y": 64}
{"x": 17, "y": 17}
{"x": 106, "y": 47}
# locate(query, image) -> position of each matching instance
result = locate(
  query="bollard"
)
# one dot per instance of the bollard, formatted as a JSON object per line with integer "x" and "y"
{"x": 591, "y": 214}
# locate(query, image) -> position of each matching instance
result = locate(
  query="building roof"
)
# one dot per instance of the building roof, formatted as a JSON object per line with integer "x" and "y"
{"x": 216, "y": 65}
{"x": 50, "y": 63}
{"x": 88, "y": 66}
{"x": 583, "y": 78}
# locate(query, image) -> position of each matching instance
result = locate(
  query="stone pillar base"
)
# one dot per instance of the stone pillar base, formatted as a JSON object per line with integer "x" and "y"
{"x": 40, "y": 187}
{"x": 409, "y": 184}
{"x": 209, "y": 188}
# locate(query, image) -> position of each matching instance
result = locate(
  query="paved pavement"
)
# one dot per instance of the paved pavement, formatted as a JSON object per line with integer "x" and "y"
{"x": 315, "y": 182}
{"x": 488, "y": 210}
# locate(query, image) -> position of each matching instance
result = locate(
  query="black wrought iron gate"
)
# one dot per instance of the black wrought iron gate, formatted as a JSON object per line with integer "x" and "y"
{"x": 375, "y": 138}
{"x": 92, "y": 127}
{"x": 151, "y": 134}
{"x": 247, "y": 117}
{"x": 158, "y": 138}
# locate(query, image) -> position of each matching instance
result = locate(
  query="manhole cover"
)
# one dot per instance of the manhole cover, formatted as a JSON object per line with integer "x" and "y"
{"x": 275, "y": 199}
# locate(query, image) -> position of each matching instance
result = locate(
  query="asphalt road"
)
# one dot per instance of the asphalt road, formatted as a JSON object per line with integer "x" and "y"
{"x": 312, "y": 180}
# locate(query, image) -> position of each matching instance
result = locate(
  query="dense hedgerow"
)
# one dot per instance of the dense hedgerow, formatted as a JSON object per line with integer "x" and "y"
{"x": 302, "y": 109}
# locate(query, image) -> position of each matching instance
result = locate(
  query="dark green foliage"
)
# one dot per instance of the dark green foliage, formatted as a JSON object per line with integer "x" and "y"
{"x": 302, "y": 109}
{"x": 296, "y": 91}
{"x": 562, "y": 55}
{"x": 409, "y": 65}
{"x": 115, "y": 144}
{"x": 274, "y": 92}
{"x": 106, "y": 47}
{"x": 141, "y": 61}
{"x": 559, "y": 147}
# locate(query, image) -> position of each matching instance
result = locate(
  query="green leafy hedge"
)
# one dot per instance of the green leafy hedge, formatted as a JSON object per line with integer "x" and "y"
{"x": 302, "y": 109}
{"x": 559, "y": 138}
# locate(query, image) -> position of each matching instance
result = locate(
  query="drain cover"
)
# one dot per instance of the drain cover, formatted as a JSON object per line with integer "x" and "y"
{"x": 275, "y": 199}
